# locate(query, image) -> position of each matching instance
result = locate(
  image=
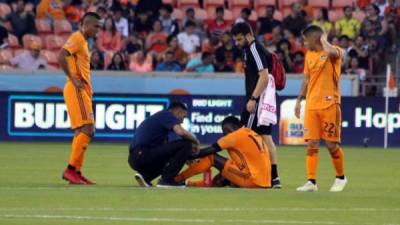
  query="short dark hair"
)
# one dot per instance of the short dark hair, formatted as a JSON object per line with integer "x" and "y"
{"x": 205, "y": 55}
{"x": 190, "y": 9}
{"x": 271, "y": 7}
{"x": 247, "y": 11}
{"x": 231, "y": 120}
{"x": 190, "y": 24}
{"x": 344, "y": 37}
{"x": 177, "y": 105}
{"x": 219, "y": 9}
{"x": 241, "y": 28}
{"x": 376, "y": 8}
{"x": 90, "y": 15}
{"x": 167, "y": 7}
{"x": 347, "y": 7}
{"x": 312, "y": 29}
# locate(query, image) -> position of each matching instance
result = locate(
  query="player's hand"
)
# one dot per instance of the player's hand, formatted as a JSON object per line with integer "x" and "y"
{"x": 297, "y": 109}
{"x": 324, "y": 38}
{"x": 251, "y": 106}
{"x": 77, "y": 83}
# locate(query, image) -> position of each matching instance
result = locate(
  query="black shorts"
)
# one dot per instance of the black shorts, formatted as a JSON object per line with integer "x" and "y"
{"x": 250, "y": 121}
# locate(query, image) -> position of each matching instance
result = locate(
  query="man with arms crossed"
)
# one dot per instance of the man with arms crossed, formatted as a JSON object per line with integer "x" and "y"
{"x": 74, "y": 59}
{"x": 322, "y": 114}
{"x": 257, "y": 61}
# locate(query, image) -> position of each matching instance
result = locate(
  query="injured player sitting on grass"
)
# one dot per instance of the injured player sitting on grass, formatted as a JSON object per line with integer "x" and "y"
{"x": 248, "y": 164}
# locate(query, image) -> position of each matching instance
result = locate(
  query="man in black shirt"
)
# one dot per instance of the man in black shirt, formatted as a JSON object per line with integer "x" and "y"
{"x": 257, "y": 63}
{"x": 152, "y": 155}
{"x": 295, "y": 22}
{"x": 266, "y": 23}
{"x": 22, "y": 22}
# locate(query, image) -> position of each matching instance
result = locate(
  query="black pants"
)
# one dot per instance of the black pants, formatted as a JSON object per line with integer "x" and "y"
{"x": 250, "y": 121}
{"x": 165, "y": 160}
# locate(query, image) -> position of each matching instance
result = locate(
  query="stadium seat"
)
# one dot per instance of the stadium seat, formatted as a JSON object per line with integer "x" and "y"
{"x": 211, "y": 5}
{"x": 239, "y": 4}
{"x": 228, "y": 15}
{"x": 260, "y": 4}
{"x": 319, "y": 3}
{"x": 13, "y": 41}
{"x": 200, "y": 14}
{"x": 283, "y": 4}
{"x": 43, "y": 26}
{"x": 28, "y": 38}
{"x": 171, "y": 2}
{"x": 50, "y": 56}
{"x": 359, "y": 15}
{"x": 277, "y": 15}
{"x": 178, "y": 14}
{"x": 184, "y": 4}
{"x": 54, "y": 42}
{"x": 62, "y": 27}
{"x": 236, "y": 14}
{"x": 285, "y": 12}
{"x": 5, "y": 56}
{"x": 335, "y": 15}
{"x": 19, "y": 51}
{"x": 336, "y": 4}
{"x": 4, "y": 9}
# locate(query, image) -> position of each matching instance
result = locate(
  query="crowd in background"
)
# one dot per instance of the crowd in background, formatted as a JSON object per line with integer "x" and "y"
{"x": 144, "y": 36}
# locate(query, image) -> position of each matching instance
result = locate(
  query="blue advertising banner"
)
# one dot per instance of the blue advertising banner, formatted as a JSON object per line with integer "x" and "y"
{"x": 43, "y": 117}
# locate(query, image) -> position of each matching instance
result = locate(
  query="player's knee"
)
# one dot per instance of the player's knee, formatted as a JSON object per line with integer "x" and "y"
{"x": 332, "y": 146}
{"x": 88, "y": 129}
{"x": 313, "y": 144}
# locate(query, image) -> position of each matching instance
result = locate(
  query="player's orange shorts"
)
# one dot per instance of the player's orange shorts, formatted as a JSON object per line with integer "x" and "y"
{"x": 239, "y": 177}
{"x": 323, "y": 124}
{"x": 79, "y": 105}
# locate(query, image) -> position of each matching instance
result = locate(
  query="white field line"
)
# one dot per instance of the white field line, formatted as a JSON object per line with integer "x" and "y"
{"x": 164, "y": 220}
{"x": 282, "y": 209}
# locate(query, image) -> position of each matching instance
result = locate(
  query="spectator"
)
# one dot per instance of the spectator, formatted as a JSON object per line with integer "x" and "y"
{"x": 228, "y": 51}
{"x": 3, "y": 36}
{"x": 244, "y": 17}
{"x": 219, "y": 25}
{"x": 360, "y": 50}
{"x": 393, "y": 21}
{"x": 190, "y": 16}
{"x": 363, "y": 3}
{"x": 169, "y": 24}
{"x": 344, "y": 43}
{"x": 74, "y": 13}
{"x": 356, "y": 69}
{"x": 117, "y": 63}
{"x": 109, "y": 39}
{"x": 169, "y": 64}
{"x": 348, "y": 25}
{"x": 392, "y": 8}
{"x": 283, "y": 59}
{"x": 307, "y": 9}
{"x": 188, "y": 40}
{"x": 382, "y": 4}
{"x": 174, "y": 47}
{"x": 284, "y": 48}
{"x": 30, "y": 60}
{"x": 295, "y": 22}
{"x": 103, "y": 13}
{"x": 375, "y": 25}
{"x": 50, "y": 10}
{"x": 220, "y": 64}
{"x": 141, "y": 62}
{"x": 96, "y": 60}
{"x": 156, "y": 41}
{"x": 21, "y": 21}
{"x": 201, "y": 65}
{"x": 322, "y": 20}
{"x": 266, "y": 23}
{"x": 298, "y": 62}
{"x": 142, "y": 24}
{"x": 121, "y": 23}
{"x": 211, "y": 45}
{"x": 132, "y": 44}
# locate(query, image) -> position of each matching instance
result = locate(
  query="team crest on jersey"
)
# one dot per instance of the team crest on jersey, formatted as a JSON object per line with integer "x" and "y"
{"x": 328, "y": 98}
{"x": 323, "y": 57}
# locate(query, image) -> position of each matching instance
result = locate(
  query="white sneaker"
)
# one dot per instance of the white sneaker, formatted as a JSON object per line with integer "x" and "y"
{"x": 141, "y": 181}
{"x": 308, "y": 187}
{"x": 338, "y": 185}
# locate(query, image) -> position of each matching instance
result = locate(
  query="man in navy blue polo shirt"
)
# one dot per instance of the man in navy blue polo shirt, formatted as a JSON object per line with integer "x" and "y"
{"x": 152, "y": 155}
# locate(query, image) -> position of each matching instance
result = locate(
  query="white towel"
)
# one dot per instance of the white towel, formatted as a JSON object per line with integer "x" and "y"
{"x": 267, "y": 105}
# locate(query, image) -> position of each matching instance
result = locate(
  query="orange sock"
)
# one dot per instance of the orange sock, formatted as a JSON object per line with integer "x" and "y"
{"x": 201, "y": 165}
{"x": 338, "y": 161}
{"x": 312, "y": 163}
{"x": 79, "y": 146}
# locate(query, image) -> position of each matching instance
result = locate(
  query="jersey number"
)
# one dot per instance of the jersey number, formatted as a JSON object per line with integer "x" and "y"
{"x": 330, "y": 129}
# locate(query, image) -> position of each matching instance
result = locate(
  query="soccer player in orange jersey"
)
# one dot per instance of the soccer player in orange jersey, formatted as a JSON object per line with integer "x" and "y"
{"x": 74, "y": 59}
{"x": 322, "y": 112}
{"x": 248, "y": 165}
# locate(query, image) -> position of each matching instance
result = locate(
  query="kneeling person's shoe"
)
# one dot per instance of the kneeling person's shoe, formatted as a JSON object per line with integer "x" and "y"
{"x": 308, "y": 187}
{"x": 170, "y": 184}
{"x": 338, "y": 185}
{"x": 276, "y": 183}
{"x": 141, "y": 181}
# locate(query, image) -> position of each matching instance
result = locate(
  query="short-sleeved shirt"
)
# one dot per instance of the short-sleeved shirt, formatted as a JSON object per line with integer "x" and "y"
{"x": 201, "y": 69}
{"x": 324, "y": 74}
{"x": 188, "y": 43}
{"x": 349, "y": 27}
{"x": 154, "y": 130}
{"x": 249, "y": 151}
{"x": 256, "y": 58}
{"x": 79, "y": 63}
{"x": 26, "y": 61}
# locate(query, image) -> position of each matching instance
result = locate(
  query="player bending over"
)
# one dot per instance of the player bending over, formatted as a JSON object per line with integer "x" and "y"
{"x": 322, "y": 114}
{"x": 248, "y": 165}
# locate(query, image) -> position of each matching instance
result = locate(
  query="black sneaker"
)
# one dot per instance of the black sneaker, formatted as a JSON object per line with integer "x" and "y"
{"x": 276, "y": 183}
{"x": 170, "y": 184}
{"x": 141, "y": 181}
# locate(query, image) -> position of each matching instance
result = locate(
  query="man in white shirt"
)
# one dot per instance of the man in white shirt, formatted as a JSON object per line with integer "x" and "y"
{"x": 29, "y": 60}
{"x": 121, "y": 23}
{"x": 187, "y": 39}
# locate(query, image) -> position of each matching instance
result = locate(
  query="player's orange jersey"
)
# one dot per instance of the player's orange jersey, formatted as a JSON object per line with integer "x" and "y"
{"x": 248, "y": 150}
{"x": 324, "y": 73}
{"x": 79, "y": 63}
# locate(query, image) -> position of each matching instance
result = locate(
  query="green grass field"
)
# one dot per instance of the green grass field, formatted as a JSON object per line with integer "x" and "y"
{"x": 32, "y": 192}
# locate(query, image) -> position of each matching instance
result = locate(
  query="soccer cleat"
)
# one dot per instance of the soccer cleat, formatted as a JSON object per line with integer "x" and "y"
{"x": 170, "y": 184}
{"x": 338, "y": 185}
{"x": 308, "y": 187}
{"x": 84, "y": 179}
{"x": 276, "y": 183}
{"x": 72, "y": 176}
{"x": 141, "y": 181}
